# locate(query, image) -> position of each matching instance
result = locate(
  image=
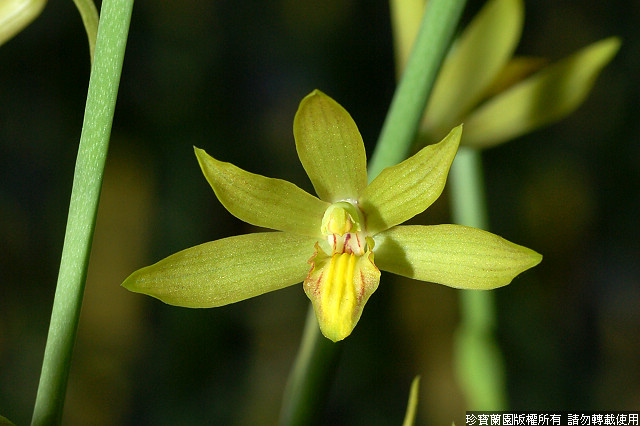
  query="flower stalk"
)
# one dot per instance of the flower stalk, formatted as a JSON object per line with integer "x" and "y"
{"x": 311, "y": 375}
{"x": 92, "y": 152}
{"x": 400, "y": 127}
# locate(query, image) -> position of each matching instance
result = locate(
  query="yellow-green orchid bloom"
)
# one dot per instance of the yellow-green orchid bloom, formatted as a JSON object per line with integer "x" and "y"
{"x": 337, "y": 243}
{"x": 498, "y": 97}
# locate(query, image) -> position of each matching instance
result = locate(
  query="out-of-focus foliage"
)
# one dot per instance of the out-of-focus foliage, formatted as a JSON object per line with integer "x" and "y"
{"x": 497, "y": 96}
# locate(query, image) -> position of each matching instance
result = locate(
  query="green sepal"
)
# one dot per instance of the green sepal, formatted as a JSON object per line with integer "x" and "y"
{"x": 402, "y": 191}
{"x": 474, "y": 61}
{"x": 452, "y": 255}
{"x": 262, "y": 201}
{"x": 545, "y": 97}
{"x": 226, "y": 271}
{"x": 330, "y": 148}
{"x": 15, "y": 15}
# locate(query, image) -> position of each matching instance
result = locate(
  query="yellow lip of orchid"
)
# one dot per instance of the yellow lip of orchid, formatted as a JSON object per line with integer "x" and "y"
{"x": 330, "y": 242}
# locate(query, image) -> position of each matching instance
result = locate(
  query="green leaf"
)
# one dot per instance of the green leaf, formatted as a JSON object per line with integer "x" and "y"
{"x": 15, "y": 15}
{"x": 330, "y": 148}
{"x": 545, "y": 97}
{"x": 476, "y": 58}
{"x": 453, "y": 255}
{"x": 402, "y": 191}
{"x": 262, "y": 201}
{"x": 412, "y": 406}
{"x": 227, "y": 270}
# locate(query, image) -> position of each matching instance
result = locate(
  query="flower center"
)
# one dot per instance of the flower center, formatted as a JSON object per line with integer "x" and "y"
{"x": 340, "y": 283}
{"x": 341, "y": 225}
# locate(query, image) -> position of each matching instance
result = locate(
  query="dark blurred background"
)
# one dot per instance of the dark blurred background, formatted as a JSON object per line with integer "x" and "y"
{"x": 227, "y": 77}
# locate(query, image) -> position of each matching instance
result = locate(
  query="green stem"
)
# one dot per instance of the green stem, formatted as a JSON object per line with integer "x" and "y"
{"x": 311, "y": 376}
{"x": 90, "y": 20}
{"x": 317, "y": 356}
{"x": 479, "y": 362}
{"x": 410, "y": 99}
{"x": 92, "y": 152}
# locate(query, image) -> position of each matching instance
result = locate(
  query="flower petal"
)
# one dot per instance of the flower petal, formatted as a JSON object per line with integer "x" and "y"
{"x": 338, "y": 287}
{"x": 15, "y": 15}
{"x": 479, "y": 54}
{"x": 226, "y": 271}
{"x": 402, "y": 191}
{"x": 545, "y": 97}
{"x": 453, "y": 255}
{"x": 262, "y": 201}
{"x": 514, "y": 71}
{"x": 330, "y": 148}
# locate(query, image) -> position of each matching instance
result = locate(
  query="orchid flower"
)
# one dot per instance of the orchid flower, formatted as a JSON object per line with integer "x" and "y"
{"x": 335, "y": 243}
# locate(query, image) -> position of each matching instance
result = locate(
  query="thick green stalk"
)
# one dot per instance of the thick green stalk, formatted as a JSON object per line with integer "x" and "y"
{"x": 478, "y": 360}
{"x": 411, "y": 96}
{"x": 311, "y": 376}
{"x": 317, "y": 356}
{"x": 87, "y": 181}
